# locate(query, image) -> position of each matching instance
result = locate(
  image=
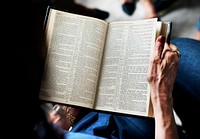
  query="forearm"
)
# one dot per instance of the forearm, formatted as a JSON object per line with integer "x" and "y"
{"x": 161, "y": 77}
{"x": 165, "y": 125}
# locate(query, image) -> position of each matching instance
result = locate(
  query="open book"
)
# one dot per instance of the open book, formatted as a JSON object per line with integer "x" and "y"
{"x": 99, "y": 65}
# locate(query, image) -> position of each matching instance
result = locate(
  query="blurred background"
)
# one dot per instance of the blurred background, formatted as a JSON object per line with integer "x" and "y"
{"x": 182, "y": 13}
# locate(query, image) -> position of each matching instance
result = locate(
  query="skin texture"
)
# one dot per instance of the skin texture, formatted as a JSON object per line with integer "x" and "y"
{"x": 161, "y": 77}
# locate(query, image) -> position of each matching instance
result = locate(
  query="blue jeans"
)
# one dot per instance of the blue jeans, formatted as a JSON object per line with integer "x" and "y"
{"x": 187, "y": 85}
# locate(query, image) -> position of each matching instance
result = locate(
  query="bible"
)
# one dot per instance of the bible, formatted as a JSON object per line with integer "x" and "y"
{"x": 99, "y": 65}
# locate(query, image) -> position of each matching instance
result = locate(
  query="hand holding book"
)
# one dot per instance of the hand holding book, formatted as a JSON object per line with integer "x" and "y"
{"x": 161, "y": 76}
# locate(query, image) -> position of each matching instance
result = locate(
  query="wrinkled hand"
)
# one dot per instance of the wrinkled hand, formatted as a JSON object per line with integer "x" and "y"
{"x": 162, "y": 71}
{"x": 161, "y": 77}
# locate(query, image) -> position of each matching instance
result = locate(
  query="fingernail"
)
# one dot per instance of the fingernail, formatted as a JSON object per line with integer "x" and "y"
{"x": 161, "y": 39}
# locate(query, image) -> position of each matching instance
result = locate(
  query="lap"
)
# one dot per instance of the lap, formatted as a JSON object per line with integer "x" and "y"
{"x": 115, "y": 126}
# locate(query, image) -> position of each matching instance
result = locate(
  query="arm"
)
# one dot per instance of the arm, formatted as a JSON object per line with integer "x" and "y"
{"x": 161, "y": 77}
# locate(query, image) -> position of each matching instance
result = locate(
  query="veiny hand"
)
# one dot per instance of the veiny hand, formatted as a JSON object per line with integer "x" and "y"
{"x": 162, "y": 70}
{"x": 161, "y": 77}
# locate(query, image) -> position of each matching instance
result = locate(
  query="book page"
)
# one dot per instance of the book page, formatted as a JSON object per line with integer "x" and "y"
{"x": 123, "y": 85}
{"x": 75, "y": 46}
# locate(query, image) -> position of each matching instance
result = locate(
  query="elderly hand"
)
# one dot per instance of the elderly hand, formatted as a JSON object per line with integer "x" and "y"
{"x": 162, "y": 70}
{"x": 161, "y": 77}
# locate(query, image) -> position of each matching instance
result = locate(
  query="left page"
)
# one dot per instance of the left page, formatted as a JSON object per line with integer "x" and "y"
{"x": 75, "y": 46}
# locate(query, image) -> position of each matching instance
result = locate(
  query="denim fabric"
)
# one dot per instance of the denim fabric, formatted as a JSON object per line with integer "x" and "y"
{"x": 114, "y": 126}
{"x": 75, "y": 135}
{"x": 186, "y": 92}
{"x": 188, "y": 76}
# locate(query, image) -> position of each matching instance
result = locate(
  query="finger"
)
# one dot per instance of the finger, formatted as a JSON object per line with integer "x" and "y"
{"x": 166, "y": 49}
{"x": 156, "y": 58}
{"x": 170, "y": 49}
{"x": 175, "y": 50}
{"x": 168, "y": 54}
{"x": 173, "y": 47}
{"x": 159, "y": 47}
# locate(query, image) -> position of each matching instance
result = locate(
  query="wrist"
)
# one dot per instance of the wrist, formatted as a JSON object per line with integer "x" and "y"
{"x": 161, "y": 102}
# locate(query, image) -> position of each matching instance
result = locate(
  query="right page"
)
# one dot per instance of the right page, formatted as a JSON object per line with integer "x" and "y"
{"x": 123, "y": 86}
